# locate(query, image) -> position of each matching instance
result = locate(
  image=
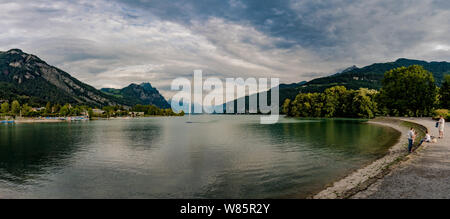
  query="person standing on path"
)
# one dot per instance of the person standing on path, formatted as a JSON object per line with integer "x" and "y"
{"x": 441, "y": 127}
{"x": 411, "y": 137}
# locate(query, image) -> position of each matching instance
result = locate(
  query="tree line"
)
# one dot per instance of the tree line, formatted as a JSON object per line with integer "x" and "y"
{"x": 406, "y": 91}
{"x": 56, "y": 110}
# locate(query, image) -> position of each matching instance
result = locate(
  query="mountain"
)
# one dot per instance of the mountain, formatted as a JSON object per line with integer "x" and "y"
{"x": 134, "y": 94}
{"x": 354, "y": 78}
{"x": 27, "y": 78}
{"x": 351, "y": 68}
{"x": 367, "y": 77}
{"x": 372, "y": 75}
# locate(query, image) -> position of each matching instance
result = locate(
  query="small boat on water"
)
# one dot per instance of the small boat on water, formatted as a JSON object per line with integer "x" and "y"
{"x": 6, "y": 121}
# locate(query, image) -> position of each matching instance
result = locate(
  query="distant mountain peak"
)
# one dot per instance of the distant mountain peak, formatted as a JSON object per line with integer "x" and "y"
{"x": 148, "y": 87}
{"x": 405, "y": 59}
{"x": 410, "y": 61}
{"x": 142, "y": 93}
{"x": 14, "y": 51}
{"x": 351, "y": 68}
{"x": 145, "y": 84}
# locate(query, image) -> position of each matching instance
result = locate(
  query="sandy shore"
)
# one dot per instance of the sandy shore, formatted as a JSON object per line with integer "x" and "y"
{"x": 363, "y": 178}
{"x": 22, "y": 121}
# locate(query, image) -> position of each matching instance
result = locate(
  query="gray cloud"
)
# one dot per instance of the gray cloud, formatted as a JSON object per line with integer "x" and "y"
{"x": 112, "y": 44}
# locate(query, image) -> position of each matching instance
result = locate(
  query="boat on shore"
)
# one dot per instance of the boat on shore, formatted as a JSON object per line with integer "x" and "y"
{"x": 6, "y": 121}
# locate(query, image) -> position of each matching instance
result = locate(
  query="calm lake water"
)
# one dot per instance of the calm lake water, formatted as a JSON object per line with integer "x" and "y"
{"x": 216, "y": 156}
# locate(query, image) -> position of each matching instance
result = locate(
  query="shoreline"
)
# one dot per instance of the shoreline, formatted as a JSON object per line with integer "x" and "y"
{"x": 360, "y": 179}
{"x": 28, "y": 121}
{"x": 37, "y": 120}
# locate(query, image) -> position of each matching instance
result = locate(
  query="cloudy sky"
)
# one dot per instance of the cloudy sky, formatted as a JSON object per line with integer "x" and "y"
{"x": 114, "y": 43}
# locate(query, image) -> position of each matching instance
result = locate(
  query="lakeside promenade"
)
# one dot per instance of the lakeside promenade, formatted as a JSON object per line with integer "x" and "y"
{"x": 426, "y": 174}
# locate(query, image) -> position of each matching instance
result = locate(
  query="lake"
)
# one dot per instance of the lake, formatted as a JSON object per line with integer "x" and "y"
{"x": 215, "y": 156}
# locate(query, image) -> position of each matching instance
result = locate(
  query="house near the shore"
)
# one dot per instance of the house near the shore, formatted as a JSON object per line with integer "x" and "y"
{"x": 98, "y": 111}
{"x": 85, "y": 113}
{"x": 133, "y": 114}
{"x": 37, "y": 109}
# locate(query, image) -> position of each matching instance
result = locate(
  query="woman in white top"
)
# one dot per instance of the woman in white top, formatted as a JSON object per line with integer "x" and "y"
{"x": 441, "y": 127}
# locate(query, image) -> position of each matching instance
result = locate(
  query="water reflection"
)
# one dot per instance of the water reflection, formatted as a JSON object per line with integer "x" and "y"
{"x": 29, "y": 150}
{"x": 215, "y": 157}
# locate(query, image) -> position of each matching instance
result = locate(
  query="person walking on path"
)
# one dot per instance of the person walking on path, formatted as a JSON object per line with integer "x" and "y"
{"x": 411, "y": 137}
{"x": 441, "y": 127}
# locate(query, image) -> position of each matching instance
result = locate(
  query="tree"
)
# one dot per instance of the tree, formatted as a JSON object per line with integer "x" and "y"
{"x": 26, "y": 109}
{"x": 5, "y": 107}
{"x": 286, "y": 106}
{"x": 336, "y": 103}
{"x": 408, "y": 91}
{"x": 64, "y": 111}
{"x": 445, "y": 93}
{"x": 15, "y": 107}
{"x": 90, "y": 112}
{"x": 307, "y": 105}
{"x": 56, "y": 108}
{"x": 75, "y": 111}
{"x": 152, "y": 110}
{"x": 110, "y": 110}
{"x": 48, "y": 108}
{"x": 363, "y": 103}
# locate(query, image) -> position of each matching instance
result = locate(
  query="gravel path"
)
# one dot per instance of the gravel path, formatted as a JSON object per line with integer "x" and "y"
{"x": 425, "y": 175}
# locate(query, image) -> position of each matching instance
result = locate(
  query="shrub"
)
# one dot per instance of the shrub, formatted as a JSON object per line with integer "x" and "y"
{"x": 441, "y": 112}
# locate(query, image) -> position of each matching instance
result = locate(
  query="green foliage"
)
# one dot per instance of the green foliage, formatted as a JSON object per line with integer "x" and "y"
{"x": 26, "y": 109}
{"x": 152, "y": 110}
{"x": 334, "y": 102}
{"x": 364, "y": 104}
{"x": 408, "y": 91}
{"x": 15, "y": 107}
{"x": 441, "y": 112}
{"x": 110, "y": 110}
{"x": 444, "y": 93}
{"x": 64, "y": 111}
{"x": 371, "y": 76}
{"x": 5, "y": 107}
{"x": 367, "y": 77}
{"x": 69, "y": 110}
{"x": 56, "y": 108}
{"x": 286, "y": 107}
{"x": 48, "y": 108}
{"x": 90, "y": 113}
